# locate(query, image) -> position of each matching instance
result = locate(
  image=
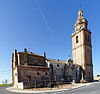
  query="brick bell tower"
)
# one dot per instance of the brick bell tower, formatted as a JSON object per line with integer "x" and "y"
{"x": 81, "y": 47}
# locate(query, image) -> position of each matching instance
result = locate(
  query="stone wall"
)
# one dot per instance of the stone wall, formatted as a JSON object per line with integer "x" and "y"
{"x": 58, "y": 71}
{"x": 64, "y": 71}
{"x": 29, "y": 73}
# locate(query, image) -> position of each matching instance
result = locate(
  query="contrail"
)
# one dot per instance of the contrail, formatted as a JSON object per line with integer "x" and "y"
{"x": 44, "y": 19}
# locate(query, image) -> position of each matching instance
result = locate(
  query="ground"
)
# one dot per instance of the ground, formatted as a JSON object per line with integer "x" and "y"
{"x": 93, "y": 88}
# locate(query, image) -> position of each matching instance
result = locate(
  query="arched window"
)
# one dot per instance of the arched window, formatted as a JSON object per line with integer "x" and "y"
{"x": 38, "y": 73}
{"x": 46, "y": 73}
{"x": 77, "y": 39}
{"x": 57, "y": 65}
{"x": 88, "y": 38}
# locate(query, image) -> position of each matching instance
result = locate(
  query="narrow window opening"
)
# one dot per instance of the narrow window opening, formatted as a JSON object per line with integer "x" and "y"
{"x": 38, "y": 73}
{"x": 77, "y": 39}
{"x": 46, "y": 73}
{"x": 57, "y": 65}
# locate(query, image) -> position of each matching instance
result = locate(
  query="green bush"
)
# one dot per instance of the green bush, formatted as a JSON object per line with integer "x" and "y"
{"x": 5, "y": 85}
{"x": 50, "y": 85}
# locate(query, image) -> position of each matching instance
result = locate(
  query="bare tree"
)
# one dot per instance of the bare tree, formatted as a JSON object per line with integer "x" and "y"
{"x": 6, "y": 81}
{"x": 3, "y": 82}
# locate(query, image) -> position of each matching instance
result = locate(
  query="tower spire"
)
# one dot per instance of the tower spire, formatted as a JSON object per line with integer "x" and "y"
{"x": 80, "y": 12}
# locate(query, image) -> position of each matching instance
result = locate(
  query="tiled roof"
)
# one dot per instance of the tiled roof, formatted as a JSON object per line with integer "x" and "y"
{"x": 56, "y": 61}
{"x": 30, "y": 53}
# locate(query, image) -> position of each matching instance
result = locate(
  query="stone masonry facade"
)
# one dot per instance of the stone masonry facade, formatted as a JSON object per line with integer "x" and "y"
{"x": 29, "y": 68}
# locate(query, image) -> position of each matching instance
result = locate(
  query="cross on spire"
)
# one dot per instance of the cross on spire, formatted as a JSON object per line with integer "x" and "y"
{"x": 68, "y": 56}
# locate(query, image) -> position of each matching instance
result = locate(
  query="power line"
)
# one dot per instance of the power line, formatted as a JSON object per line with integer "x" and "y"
{"x": 6, "y": 71}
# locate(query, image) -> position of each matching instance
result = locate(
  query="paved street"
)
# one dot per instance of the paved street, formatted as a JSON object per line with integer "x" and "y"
{"x": 4, "y": 91}
{"x": 91, "y": 89}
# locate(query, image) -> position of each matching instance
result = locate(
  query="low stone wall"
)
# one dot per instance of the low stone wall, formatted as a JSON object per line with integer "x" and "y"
{"x": 28, "y": 85}
{"x": 39, "y": 84}
{"x": 32, "y": 84}
{"x": 20, "y": 85}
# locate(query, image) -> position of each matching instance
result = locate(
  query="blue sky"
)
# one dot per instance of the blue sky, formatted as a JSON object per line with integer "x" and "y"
{"x": 44, "y": 26}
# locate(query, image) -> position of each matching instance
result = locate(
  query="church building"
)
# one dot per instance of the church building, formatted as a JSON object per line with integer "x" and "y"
{"x": 30, "y": 70}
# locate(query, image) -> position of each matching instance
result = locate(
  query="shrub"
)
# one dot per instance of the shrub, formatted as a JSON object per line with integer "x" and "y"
{"x": 40, "y": 85}
{"x": 50, "y": 85}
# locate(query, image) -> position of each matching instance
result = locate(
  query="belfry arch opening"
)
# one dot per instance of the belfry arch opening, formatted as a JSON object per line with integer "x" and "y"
{"x": 77, "y": 40}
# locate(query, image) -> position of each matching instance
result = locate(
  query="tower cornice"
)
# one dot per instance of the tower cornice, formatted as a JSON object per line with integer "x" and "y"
{"x": 82, "y": 30}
